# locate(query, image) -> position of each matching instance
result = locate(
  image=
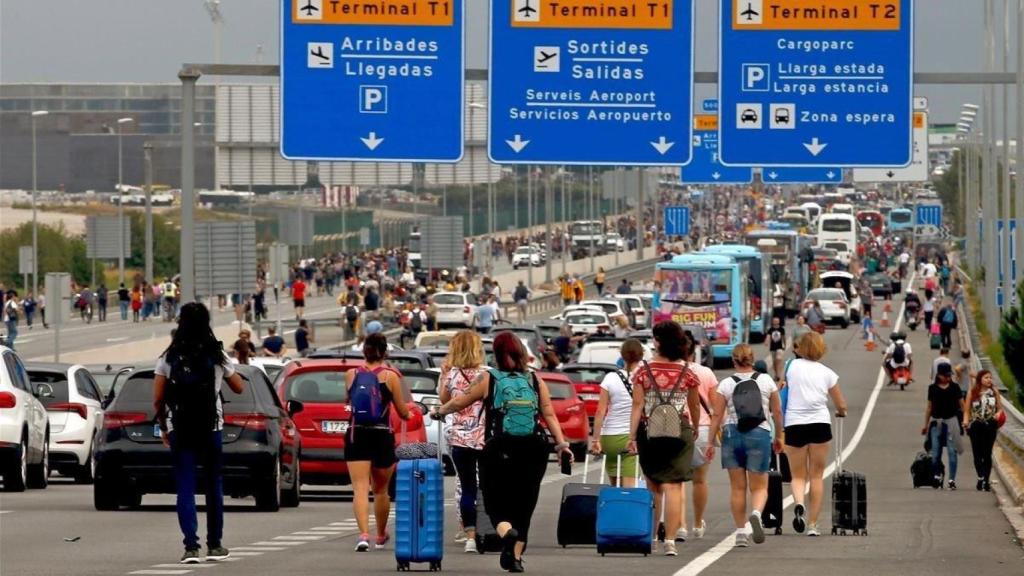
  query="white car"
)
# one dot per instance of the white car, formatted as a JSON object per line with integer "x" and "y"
{"x": 269, "y": 365}
{"x": 634, "y": 304}
{"x": 456, "y": 308}
{"x": 834, "y": 305}
{"x": 614, "y": 241}
{"x": 75, "y": 410}
{"x": 527, "y": 256}
{"x": 587, "y": 321}
{"x": 611, "y": 306}
{"x": 422, "y": 387}
{"x": 24, "y": 427}
{"x": 606, "y": 352}
{"x": 576, "y": 308}
{"x": 849, "y": 287}
{"x": 843, "y": 252}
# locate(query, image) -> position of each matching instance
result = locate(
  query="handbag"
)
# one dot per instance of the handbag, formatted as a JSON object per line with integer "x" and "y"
{"x": 1000, "y": 418}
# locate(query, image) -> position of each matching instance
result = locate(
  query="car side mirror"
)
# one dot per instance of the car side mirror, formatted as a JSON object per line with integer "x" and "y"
{"x": 294, "y": 407}
{"x": 44, "y": 391}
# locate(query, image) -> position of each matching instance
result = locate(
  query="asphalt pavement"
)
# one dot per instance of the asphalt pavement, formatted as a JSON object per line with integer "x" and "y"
{"x": 921, "y": 531}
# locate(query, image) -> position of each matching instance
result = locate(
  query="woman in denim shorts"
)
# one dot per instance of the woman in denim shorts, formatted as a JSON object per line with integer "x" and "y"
{"x": 746, "y": 454}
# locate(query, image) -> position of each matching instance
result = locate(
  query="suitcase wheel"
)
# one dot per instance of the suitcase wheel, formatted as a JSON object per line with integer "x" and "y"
{"x": 435, "y": 566}
{"x": 402, "y": 567}
{"x": 835, "y": 530}
{"x": 778, "y": 530}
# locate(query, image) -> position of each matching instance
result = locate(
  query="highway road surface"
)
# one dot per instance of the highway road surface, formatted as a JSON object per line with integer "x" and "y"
{"x": 912, "y": 532}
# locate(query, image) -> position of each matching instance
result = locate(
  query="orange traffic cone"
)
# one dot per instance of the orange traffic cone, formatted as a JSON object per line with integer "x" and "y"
{"x": 888, "y": 306}
{"x": 885, "y": 318}
{"x": 870, "y": 344}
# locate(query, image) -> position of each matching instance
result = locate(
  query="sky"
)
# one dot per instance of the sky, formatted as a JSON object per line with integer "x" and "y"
{"x": 56, "y": 41}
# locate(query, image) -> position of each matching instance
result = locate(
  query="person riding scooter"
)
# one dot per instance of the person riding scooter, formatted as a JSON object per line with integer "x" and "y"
{"x": 898, "y": 356}
{"x": 912, "y": 309}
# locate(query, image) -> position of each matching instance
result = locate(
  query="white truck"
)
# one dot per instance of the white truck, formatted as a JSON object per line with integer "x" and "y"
{"x": 583, "y": 234}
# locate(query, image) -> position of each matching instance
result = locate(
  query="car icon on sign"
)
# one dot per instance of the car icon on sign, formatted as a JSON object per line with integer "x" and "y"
{"x": 748, "y": 115}
{"x": 782, "y": 116}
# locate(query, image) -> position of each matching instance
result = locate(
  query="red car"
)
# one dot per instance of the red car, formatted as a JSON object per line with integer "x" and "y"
{"x": 572, "y": 415}
{"x": 319, "y": 385}
{"x": 587, "y": 380}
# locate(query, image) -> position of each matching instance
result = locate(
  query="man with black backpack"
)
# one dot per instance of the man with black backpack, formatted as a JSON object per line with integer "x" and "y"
{"x": 898, "y": 354}
{"x": 190, "y": 413}
{"x": 947, "y": 323}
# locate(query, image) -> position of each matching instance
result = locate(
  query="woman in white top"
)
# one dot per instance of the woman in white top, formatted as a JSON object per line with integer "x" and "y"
{"x": 611, "y": 421}
{"x": 747, "y": 443}
{"x": 808, "y": 426}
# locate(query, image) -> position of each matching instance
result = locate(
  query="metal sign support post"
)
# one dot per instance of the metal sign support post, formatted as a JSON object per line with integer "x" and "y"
{"x": 593, "y": 215}
{"x": 1019, "y": 196}
{"x": 640, "y": 232}
{"x": 566, "y": 247}
{"x": 1007, "y": 240}
{"x": 549, "y": 214}
{"x": 147, "y": 149}
{"x": 529, "y": 222}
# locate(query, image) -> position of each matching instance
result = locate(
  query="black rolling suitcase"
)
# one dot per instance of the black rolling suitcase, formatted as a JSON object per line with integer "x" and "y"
{"x": 849, "y": 496}
{"x": 577, "y": 515}
{"x": 771, "y": 516}
{"x": 922, "y": 471}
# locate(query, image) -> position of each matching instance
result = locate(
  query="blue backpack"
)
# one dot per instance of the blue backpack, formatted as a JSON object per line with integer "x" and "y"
{"x": 515, "y": 404}
{"x": 366, "y": 400}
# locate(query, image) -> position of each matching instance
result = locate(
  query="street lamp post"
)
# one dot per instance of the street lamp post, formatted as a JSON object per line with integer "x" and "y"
{"x": 120, "y": 198}
{"x": 148, "y": 151}
{"x": 35, "y": 225}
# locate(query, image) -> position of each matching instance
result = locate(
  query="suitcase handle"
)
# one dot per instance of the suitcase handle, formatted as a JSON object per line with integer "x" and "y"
{"x": 839, "y": 445}
{"x": 423, "y": 504}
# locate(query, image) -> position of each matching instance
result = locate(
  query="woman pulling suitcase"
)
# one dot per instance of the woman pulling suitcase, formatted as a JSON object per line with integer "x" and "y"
{"x": 515, "y": 453}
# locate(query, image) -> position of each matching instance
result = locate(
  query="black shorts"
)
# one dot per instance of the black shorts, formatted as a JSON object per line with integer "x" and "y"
{"x": 299, "y": 303}
{"x": 804, "y": 434}
{"x": 376, "y": 445}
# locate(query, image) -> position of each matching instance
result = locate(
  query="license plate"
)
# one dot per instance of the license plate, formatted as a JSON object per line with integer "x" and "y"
{"x": 590, "y": 397}
{"x": 334, "y": 426}
{"x": 156, "y": 431}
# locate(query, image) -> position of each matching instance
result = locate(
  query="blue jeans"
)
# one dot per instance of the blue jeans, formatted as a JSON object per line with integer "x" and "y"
{"x": 466, "y": 462}
{"x": 12, "y": 332}
{"x": 750, "y": 450}
{"x": 186, "y": 461}
{"x": 124, "y": 309}
{"x": 940, "y": 435}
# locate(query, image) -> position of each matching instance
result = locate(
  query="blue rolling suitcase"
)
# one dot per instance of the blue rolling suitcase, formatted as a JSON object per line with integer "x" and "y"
{"x": 625, "y": 519}
{"x": 419, "y": 512}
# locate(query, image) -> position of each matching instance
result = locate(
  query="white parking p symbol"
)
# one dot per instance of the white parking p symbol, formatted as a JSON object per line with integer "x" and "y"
{"x": 373, "y": 99}
{"x": 755, "y": 78}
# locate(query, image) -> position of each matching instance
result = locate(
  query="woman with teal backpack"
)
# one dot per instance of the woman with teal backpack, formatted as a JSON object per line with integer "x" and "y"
{"x": 515, "y": 453}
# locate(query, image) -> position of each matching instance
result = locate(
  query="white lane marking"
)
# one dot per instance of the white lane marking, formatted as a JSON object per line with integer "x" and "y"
{"x": 320, "y": 533}
{"x": 277, "y": 543}
{"x": 298, "y": 538}
{"x": 258, "y": 548}
{"x": 167, "y": 572}
{"x": 326, "y": 528}
{"x": 702, "y": 562}
{"x": 6, "y": 511}
{"x": 121, "y": 339}
{"x": 235, "y": 552}
{"x": 183, "y": 566}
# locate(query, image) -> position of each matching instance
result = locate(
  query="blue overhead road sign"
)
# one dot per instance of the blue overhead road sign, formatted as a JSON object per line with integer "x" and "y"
{"x": 782, "y": 175}
{"x": 585, "y": 82}
{"x": 704, "y": 167}
{"x": 929, "y": 214}
{"x": 677, "y": 220}
{"x": 376, "y": 81}
{"x": 815, "y": 83}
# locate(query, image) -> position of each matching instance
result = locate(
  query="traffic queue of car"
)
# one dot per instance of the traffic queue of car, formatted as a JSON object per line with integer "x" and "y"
{"x": 287, "y": 428}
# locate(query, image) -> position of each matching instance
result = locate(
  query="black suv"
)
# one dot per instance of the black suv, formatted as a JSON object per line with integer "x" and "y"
{"x": 261, "y": 446}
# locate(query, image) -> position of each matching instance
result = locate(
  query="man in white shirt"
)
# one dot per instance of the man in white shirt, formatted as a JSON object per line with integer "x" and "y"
{"x": 891, "y": 363}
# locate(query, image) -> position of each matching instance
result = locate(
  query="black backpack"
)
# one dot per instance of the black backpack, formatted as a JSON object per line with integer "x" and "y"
{"x": 746, "y": 399}
{"x": 522, "y": 293}
{"x": 351, "y": 314}
{"x": 191, "y": 397}
{"x": 416, "y": 322}
{"x": 899, "y": 352}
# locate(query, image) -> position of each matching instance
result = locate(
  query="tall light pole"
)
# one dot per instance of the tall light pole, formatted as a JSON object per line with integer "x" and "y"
{"x": 1019, "y": 196}
{"x": 35, "y": 225}
{"x": 968, "y": 115}
{"x": 147, "y": 149}
{"x": 1007, "y": 216}
{"x": 120, "y": 198}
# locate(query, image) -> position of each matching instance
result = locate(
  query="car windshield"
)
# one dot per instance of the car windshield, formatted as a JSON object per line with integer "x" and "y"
{"x": 826, "y": 295}
{"x": 585, "y": 374}
{"x": 524, "y": 250}
{"x": 406, "y": 363}
{"x": 825, "y": 253}
{"x": 837, "y": 246}
{"x": 559, "y": 390}
{"x": 588, "y": 319}
{"x": 900, "y": 216}
{"x": 272, "y": 371}
{"x": 137, "y": 394}
{"x": 327, "y": 387}
{"x": 448, "y": 299}
{"x": 57, "y": 380}
{"x": 585, "y": 228}
{"x": 421, "y": 384}
{"x": 836, "y": 225}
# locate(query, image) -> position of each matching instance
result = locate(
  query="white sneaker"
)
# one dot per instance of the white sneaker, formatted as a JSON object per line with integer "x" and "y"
{"x": 742, "y": 540}
{"x": 812, "y": 529}
{"x": 681, "y": 535}
{"x": 698, "y": 531}
{"x": 756, "y": 527}
{"x": 470, "y": 546}
{"x": 670, "y": 548}
{"x": 460, "y": 537}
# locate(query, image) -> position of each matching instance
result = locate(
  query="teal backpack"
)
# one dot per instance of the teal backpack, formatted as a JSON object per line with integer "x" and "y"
{"x": 514, "y": 404}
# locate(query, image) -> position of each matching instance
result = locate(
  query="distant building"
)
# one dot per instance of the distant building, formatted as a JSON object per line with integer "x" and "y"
{"x": 76, "y": 143}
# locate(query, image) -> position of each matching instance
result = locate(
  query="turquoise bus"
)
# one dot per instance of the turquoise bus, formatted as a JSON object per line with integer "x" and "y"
{"x": 789, "y": 262}
{"x": 757, "y": 267}
{"x": 709, "y": 290}
{"x": 900, "y": 219}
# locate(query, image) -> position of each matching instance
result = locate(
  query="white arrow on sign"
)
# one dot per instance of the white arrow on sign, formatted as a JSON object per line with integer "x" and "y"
{"x": 773, "y": 175}
{"x": 716, "y": 175}
{"x": 372, "y": 141}
{"x": 814, "y": 147}
{"x": 517, "y": 144}
{"x": 830, "y": 174}
{"x": 662, "y": 146}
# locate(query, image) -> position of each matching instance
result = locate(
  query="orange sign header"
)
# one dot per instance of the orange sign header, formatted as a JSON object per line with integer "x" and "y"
{"x": 386, "y": 12}
{"x": 919, "y": 119}
{"x": 628, "y": 14}
{"x": 705, "y": 122}
{"x": 816, "y": 14}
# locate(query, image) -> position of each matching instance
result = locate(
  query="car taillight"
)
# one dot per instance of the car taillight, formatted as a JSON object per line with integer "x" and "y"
{"x": 840, "y": 303}
{"x": 605, "y": 326}
{"x": 120, "y": 419}
{"x": 8, "y": 400}
{"x": 465, "y": 310}
{"x": 69, "y": 407}
{"x": 248, "y": 420}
